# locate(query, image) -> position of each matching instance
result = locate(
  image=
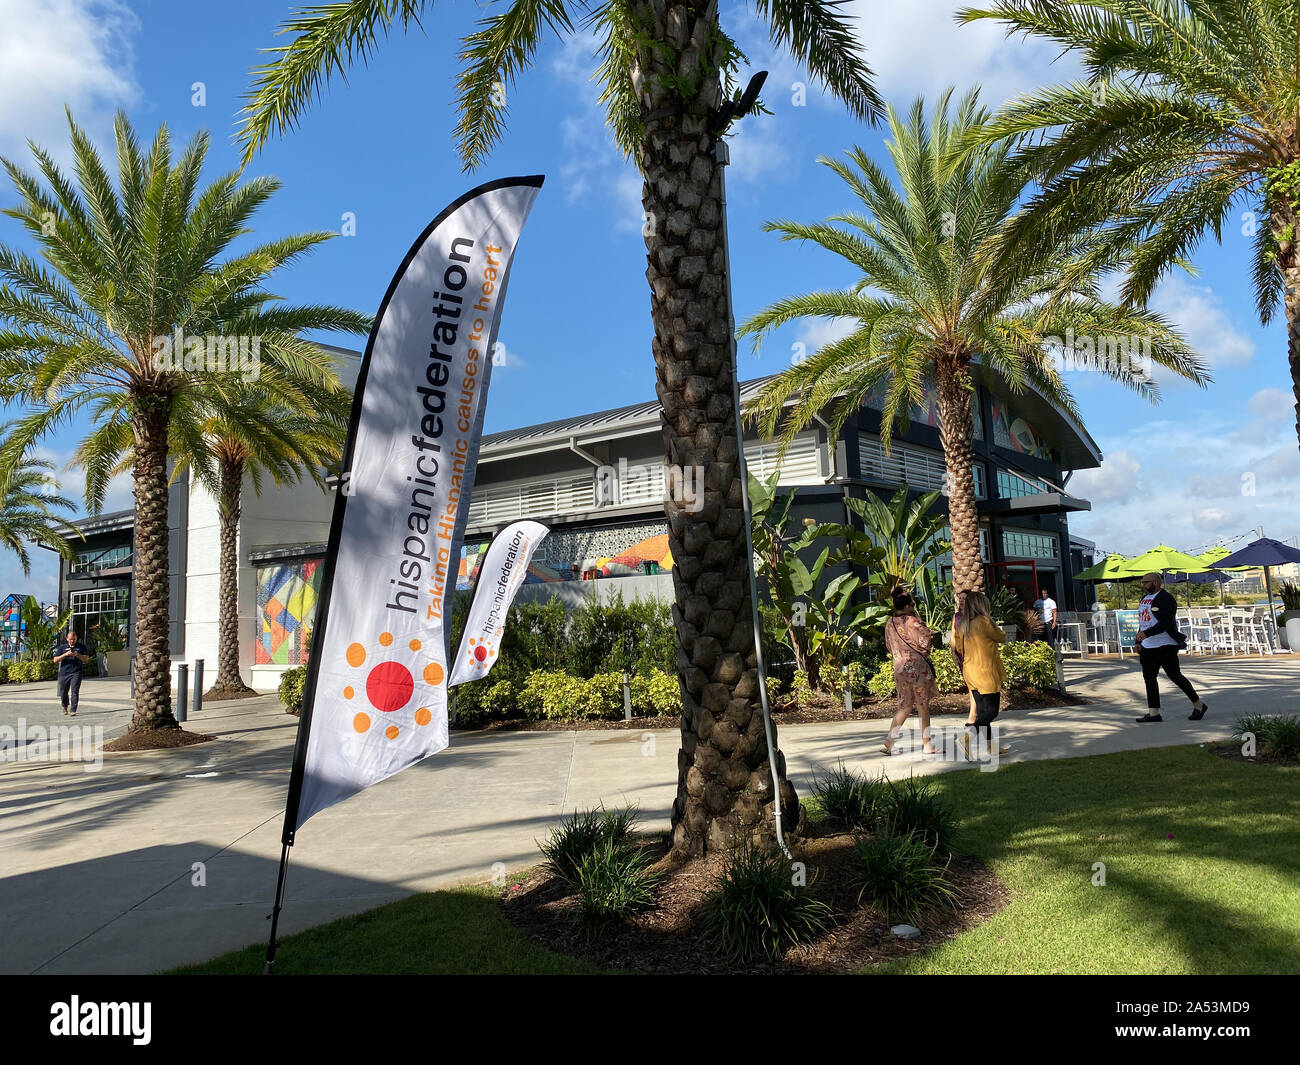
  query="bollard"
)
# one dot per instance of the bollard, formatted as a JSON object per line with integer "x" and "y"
{"x": 182, "y": 691}
{"x": 848, "y": 695}
{"x": 198, "y": 685}
{"x": 1060, "y": 671}
{"x": 451, "y": 702}
{"x": 627, "y": 696}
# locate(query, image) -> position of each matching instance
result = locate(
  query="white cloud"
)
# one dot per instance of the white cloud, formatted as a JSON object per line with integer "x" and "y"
{"x": 1272, "y": 404}
{"x": 56, "y": 52}
{"x": 1199, "y": 314}
{"x": 1116, "y": 480}
{"x": 916, "y": 47}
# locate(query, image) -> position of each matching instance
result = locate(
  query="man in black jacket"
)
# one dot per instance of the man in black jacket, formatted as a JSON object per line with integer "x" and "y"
{"x": 70, "y": 654}
{"x": 1159, "y": 642}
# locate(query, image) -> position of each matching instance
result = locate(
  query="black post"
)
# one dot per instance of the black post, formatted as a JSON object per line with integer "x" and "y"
{"x": 182, "y": 692}
{"x": 198, "y": 685}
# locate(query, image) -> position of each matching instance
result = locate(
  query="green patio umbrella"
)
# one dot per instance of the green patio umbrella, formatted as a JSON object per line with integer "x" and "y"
{"x": 1163, "y": 559}
{"x": 1105, "y": 570}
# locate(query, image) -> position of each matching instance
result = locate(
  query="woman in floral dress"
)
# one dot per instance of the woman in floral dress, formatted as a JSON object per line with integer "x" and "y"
{"x": 908, "y": 640}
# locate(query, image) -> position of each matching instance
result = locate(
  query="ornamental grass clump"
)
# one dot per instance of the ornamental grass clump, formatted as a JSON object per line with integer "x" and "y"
{"x": 898, "y": 872}
{"x": 850, "y": 797}
{"x": 581, "y": 834}
{"x": 915, "y": 806}
{"x": 757, "y": 911}
{"x": 615, "y": 882}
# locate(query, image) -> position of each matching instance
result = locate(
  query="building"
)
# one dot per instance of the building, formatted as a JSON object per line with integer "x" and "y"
{"x": 598, "y": 481}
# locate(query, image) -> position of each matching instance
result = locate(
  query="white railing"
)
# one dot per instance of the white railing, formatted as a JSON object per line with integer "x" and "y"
{"x": 494, "y": 504}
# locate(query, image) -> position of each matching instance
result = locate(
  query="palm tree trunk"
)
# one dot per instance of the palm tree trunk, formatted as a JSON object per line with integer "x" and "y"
{"x": 1291, "y": 278}
{"x": 956, "y": 431}
{"x": 724, "y": 785}
{"x": 229, "y": 682}
{"x": 153, "y": 689}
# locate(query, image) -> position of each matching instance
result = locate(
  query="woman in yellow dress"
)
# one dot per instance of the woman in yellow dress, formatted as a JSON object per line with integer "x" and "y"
{"x": 975, "y": 642}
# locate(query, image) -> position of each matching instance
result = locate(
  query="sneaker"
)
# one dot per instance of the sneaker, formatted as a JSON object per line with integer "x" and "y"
{"x": 1148, "y": 718}
{"x": 1196, "y": 715}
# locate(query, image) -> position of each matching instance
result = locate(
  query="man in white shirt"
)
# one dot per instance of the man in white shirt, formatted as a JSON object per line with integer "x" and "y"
{"x": 1046, "y": 607}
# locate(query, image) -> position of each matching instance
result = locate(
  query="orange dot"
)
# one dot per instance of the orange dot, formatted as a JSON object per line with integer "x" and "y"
{"x": 385, "y": 638}
{"x": 356, "y": 655}
{"x": 348, "y": 692}
{"x": 361, "y": 722}
{"x": 391, "y": 732}
{"x": 422, "y": 716}
{"x": 415, "y": 645}
{"x": 433, "y": 673}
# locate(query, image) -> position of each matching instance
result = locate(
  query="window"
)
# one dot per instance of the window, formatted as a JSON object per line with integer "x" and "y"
{"x": 104, "y": 609}
{"x": 1017, "y": 544}
{"x": 801, "y": 465}
{"x": 97, "y": 559}
{"x": 1010, "y": 484}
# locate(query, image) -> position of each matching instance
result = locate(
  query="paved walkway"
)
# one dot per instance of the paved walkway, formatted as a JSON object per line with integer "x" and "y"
{"x": 162, "y": 858}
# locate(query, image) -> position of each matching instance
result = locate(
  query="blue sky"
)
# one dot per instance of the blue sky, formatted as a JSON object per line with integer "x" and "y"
{"x": 576, "y": 326}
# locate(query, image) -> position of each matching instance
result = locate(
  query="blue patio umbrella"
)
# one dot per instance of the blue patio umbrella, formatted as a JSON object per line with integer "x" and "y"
{"x": 1262, "y": 552}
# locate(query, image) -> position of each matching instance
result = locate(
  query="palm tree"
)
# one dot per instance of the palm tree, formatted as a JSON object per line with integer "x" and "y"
{"x": 929, "y": 306}
{"x": 27, "y": 510}
{"x": 132, "y": 295}
{"x": 259, "y": 436}
{"x": 1191, "y": 112}
{"x": 665, "y": 68}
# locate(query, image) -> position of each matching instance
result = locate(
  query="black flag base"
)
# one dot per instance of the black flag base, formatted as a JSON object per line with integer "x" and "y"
{"x": 274, "y": 915}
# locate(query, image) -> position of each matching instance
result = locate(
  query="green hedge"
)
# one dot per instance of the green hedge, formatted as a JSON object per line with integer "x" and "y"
{"x": 26, "y": 672}
{"x": 555, "y": 696}
{"x": 1028, "y": 665}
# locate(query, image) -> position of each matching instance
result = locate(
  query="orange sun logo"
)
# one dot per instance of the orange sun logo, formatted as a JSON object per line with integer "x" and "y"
{"x": 481, "y": 652}
{"x": 389, "y": 685}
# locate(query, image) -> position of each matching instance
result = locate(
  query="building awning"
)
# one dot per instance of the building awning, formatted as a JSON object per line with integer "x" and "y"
{"x": 270, "y": 554}
{"x": 1042, "y": 503}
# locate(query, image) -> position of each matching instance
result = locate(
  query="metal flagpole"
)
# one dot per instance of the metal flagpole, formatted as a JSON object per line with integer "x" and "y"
{"x": 723, "y": 157}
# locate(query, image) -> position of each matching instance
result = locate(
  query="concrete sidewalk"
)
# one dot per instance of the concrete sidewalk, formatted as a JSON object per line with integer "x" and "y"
{"x": 168, "y": 857}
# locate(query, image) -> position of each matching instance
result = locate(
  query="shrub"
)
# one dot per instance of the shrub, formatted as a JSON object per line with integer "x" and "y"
{"x": 773, "y": 685}
{"x": 898, "y": 873}
{"x": 801, "y": 689}
{"x": 1276, "y": 736}
{"x": 1029, "y": 665}
{"x": 881, "y": 684}
{"x": 758, "y": 911}
{"x": 499, "y": 699}
{"x": 915, "y": 807}
{"x": 471, "y": 708}
{"x": 579, "y": 834}
{"x": 656, "y": 693}
{"x": 4, "y": 672}
{"x": 292, "y": 683}
{"x": 946, "y": 674}
{"x": 850, "y": 797}
{"x": 615, "y": 882}
{"x": 1284, "y": 738}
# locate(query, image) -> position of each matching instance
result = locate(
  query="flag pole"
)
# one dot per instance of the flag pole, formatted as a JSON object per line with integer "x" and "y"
{"x": 723, "y": 156}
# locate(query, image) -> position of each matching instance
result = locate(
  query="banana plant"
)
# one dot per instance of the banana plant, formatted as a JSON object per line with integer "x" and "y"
{"x": 909, "y": 535}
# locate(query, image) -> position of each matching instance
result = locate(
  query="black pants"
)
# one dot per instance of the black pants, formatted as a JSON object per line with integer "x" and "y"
{"x": 70, "y": 690}
{"x": 986, "y": 709}
{"x": 1166, "y": 658}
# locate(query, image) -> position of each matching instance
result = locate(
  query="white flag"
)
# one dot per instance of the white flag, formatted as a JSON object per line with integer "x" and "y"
{"x": 499, "y": 578}
{"x": 376, "y": 697}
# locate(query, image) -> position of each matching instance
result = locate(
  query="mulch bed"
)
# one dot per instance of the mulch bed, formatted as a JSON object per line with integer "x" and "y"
{"x": 214, "y": 695}
{"x": 156, "y": 739}
{"x": 1231, "y": 751}
{"x": 670, "y": 939}
{"x": 822, "y": 709}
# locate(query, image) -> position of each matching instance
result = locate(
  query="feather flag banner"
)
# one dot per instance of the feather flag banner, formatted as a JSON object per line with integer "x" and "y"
{"x": 499, "y": 578}
{"x": 375, "y": 700}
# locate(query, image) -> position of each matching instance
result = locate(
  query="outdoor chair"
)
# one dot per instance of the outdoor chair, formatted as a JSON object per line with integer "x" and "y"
{"x": 1074, "y": 642}
{"x": 1098, "y": 632}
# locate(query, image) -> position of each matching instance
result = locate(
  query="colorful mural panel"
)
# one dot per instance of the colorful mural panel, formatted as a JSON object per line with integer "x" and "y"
{"x": 1012, "y": 431}
{"x": 286, "y": 607}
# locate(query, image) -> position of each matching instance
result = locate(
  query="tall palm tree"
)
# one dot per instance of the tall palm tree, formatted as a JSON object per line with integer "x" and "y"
{"x": 260, "y": 436}
{"x": 133, "y": 273}
{"x": 665, "y": 68}
{"x": 929, "y": 306}
{"x": 1191, "y": 112}
{"x": 28, "y": 509}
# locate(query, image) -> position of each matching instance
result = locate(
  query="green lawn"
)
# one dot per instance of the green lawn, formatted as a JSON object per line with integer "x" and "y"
{"x": 1221, "y": 895}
